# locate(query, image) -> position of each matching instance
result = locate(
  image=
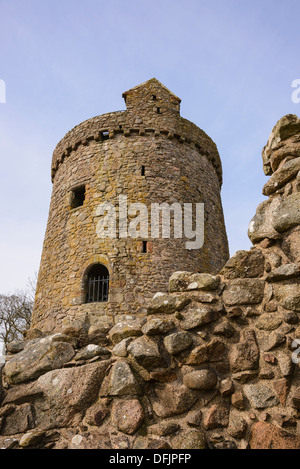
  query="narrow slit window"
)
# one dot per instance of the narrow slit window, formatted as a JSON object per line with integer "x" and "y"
{"x": 78, "y": 197}
{"x": 144, "y": 247}
{"x": 158, "y": 110}
{"x": 143, "y": 171}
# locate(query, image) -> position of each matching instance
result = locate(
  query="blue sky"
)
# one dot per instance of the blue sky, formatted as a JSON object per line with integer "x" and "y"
{"x": 232, "y": 63}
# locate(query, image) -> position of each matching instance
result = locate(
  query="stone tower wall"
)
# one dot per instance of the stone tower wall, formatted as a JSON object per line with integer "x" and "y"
{"x": 106, "y": 154}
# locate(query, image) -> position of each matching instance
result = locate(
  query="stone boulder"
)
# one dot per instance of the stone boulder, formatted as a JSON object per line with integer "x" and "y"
{"x": 128, "y": 415}
{"x": 288, "y": 296}
{"x": 287, "y": 214}
{"x": 203, "y": 380}
{"x": 192, "y": 439}
{"x": 260, "y": 396}
{"x": 243, "y": 291}
{"x": 284, "y": 272}
{"x": 178, "y": 342}
{"x": 187, "y": 281}
{"x": 173, "y": 399}
{"x": 261, "y": 226}
{"x": 245, "y": 355}
{"x": 69, "y": 392}
{"x": 163, "y": 303}
{"x": 92, "y": 439}
{"x": 125, "y": 329}
{"x": 286, "y": 127}
{"x": 283, "y": 175}
{"x": 157, "y": 326}
{"x": 38, "y": 357}
{"x": 92, "y": 351}
{"x": 120, "y": 381}
{"x": 217, "y": 416}
{"x": 146, "y": 353}
{"x": 244, "y": 264}
{"x": 199, "y": 316}
{"x": 267, "y": 436}
{"x": 213, "y": 351}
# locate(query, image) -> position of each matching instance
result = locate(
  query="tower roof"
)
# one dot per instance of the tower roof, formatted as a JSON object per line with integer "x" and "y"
{"x": 153, "y": 82}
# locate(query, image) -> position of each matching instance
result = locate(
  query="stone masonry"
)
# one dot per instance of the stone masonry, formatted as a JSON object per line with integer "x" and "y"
{"x": 214, "y": 363}
{"x": 151, "y": 155}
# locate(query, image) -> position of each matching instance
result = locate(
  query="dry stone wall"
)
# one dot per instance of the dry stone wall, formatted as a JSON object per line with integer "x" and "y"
{"x": 213, "y": 364}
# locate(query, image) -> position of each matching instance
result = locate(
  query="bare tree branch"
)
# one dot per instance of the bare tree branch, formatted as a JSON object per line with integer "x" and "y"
{"x": 15, "y": 313}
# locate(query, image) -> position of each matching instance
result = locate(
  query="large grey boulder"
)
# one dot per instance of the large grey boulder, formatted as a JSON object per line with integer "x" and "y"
{"x": 284, "y": 174}
{"x": 285, "y": 128}
{"x": 260, "y": 396}
{"x": 92, "y": 351}
{"x": 38, "y": 357}
{"x": 243, "y": 291}
{"x": 162, "y": 303}
{"x": 178, "y": 342}
{"x": 245, "y": 354}
{"x": 287, "y": 214}
{"x": 284, "y": 272}
{"x": 157, "y": 326}
{"x": 198, "y": 316}
{"x": 261, "y": 225}
{"x": 68, "y": 393}
{"x": 244, "y": 264}
{"x": 288, "y": 295}
{"x": 124, "y": 329}
{"x": 173, "y": 399}
{"x": 186, "y": 281}
{"x": 120, "y": 381}
{"x": 146, "y": 353}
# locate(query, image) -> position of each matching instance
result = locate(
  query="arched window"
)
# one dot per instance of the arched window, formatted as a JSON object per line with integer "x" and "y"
{"x": 97, "y": 284}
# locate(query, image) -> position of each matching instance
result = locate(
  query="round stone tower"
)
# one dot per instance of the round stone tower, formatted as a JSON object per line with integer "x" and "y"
{"x": 117, "y": 179}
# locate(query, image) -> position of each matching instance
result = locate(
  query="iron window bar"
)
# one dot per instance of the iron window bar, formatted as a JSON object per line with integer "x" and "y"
{"x": 97, "y": 290}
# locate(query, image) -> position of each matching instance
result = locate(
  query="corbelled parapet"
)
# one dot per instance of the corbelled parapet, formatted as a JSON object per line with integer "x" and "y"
{"x": 213, "y": 364}
{"x": 152, "y": 110}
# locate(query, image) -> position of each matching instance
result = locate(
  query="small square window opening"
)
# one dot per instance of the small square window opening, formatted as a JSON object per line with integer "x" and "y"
{"x": 78, "y": 197}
